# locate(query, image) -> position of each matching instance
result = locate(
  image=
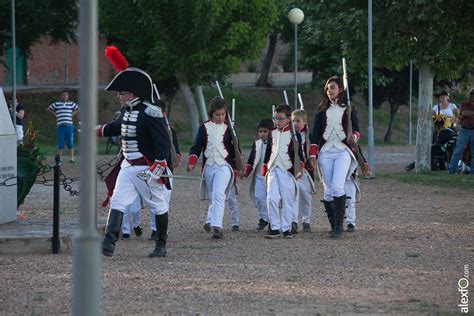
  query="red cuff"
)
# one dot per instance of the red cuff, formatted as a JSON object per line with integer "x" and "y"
{"x": 264, "y": 170}
{"x": 100, "y": 129}
{"x": 158, "y": 163}
{"x": 192, "y": 160}
{"x": 248, "y": 170}
{"x": 313, "y": 150}
{"x": 356, "y": 135}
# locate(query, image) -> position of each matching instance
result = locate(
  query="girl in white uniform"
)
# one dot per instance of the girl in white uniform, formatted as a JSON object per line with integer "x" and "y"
{"x": 333, "y": 134}
{"x": 215, "y": 141}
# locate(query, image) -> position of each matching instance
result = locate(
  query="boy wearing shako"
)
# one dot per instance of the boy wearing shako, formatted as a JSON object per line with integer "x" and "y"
{"x": 279, "y": 170}
{"x": 214, "y": 140}
{"x": 305, "y": 183}
{"x": 145, "y": 150}
{"x": 258, "y": 191}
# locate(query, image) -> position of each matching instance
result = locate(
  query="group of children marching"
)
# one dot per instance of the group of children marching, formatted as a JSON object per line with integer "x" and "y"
{"x": 281, "y": 165}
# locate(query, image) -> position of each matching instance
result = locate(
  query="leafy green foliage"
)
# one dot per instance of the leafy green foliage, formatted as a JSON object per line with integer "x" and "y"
{"x": 431, "y": 33}
{"x": 196, "y": 41}
{"x": 35, "y": 18}
{"x": 29, "y": 163}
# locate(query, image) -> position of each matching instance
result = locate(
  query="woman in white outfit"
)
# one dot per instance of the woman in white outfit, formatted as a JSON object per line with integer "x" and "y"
{"x": 333, "y": 133}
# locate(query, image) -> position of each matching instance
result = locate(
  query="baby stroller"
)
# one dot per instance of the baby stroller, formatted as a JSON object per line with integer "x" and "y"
{"x": 442, "y": 148}
{"x": 114, "y": 141}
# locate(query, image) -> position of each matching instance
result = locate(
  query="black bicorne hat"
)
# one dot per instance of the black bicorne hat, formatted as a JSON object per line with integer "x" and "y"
{"x": 133, "y": 80}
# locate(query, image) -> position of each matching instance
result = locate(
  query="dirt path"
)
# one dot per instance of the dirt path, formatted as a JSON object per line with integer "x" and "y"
{"x": 406, "y": 257}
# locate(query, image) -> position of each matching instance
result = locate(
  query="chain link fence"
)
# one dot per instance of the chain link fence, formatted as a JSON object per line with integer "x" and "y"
{"x": 64, "y": 181}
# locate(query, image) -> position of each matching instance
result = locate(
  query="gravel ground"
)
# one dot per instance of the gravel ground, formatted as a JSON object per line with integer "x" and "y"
{"x": 409, "y": 251}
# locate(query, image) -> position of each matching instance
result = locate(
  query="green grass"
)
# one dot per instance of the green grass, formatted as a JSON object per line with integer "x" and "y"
{"x": 435, "y": 178}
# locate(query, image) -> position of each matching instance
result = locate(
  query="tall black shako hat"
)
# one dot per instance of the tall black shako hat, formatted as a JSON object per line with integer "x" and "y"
{"x": 133, "y": 80}
{"x": 128, "y": 79}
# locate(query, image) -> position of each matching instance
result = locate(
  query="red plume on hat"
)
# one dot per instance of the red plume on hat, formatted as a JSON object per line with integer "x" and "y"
{"x": 116, "y": 58}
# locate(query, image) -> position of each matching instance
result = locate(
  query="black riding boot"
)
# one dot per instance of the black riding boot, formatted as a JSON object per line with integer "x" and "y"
{"x": 112, "y": 232}
{"x": 340, "y": 209}
{"x": 162, "y": 236}
{"x": 330, "y": 208}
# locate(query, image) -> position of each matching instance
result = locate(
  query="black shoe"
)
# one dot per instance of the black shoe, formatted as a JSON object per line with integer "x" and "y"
{"x": 153, "y": 235}
{"x": 159, "y": 251}
{"x": 262, "y": 224}
{"x": 217, "y": 233}
{"x": 235, "y": 228}
{"x": 125, "y": 236}
{"x": 287, "y": 234}
{"x": 207, "y": 227}
{"x": 138, "y": 231}
{"x": 273, "y": 234}
{"x": 294, "y": 228}
{"x": 350, "y": 228}
{"x": 306, "y": 228}
{"x": 336, "y": 232}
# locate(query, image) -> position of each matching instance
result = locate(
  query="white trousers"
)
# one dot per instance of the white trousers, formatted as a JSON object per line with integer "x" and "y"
{"x": 132, "y": 213}
{"x": 280, "y": 187}
{"x": 261, "y": 197}
{"x": 351, "y": 190}
{"x": 233, "y": 207}
{"x": 129, "y": 187}
{"x": 305, "y": 198}
{"x": 19, "y": 132}
{"x": 217, "y": 178}
{"x": 167, "y": 194}
{"x": 334, "y": 165}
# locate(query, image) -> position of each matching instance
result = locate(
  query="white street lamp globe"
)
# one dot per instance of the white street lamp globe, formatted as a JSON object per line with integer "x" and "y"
{"x": 296, "y": 16}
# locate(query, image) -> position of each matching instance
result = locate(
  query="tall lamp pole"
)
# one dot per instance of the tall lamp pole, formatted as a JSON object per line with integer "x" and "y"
{"x": 370, "y": 130}
{"x": 296, "y": 16}
{"x": 14, "y": 66}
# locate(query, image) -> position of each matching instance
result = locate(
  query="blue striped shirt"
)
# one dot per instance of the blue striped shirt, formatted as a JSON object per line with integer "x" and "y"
{"x": 64, "y": 111}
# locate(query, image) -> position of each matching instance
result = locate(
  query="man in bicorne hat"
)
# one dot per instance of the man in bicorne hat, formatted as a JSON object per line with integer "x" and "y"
{"x": 145, "y": 147}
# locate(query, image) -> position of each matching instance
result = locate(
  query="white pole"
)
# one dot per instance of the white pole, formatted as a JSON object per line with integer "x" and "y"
{"x": 286, "y": 97}
{"x": 345, "y": 81}
{"x": 301, "y": 101}
{"x": 86, "y": 259}
{"x": 157, "y": 92}
{"x": 219, "y": 89}
{"x": 233, "y": 111}
{"x": 370, "y": 130}
{"x": 410, "y": 97}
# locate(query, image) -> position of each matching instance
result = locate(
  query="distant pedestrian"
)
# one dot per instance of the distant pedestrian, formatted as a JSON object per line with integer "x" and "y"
{"x": 20, "y": 114}
{"x": 466, "y": 134}
{"x": 64, "y": 111}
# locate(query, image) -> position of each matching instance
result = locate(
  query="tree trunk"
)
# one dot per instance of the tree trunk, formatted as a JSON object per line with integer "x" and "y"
{"x": 192, "y": 108}
{"x": 202, "y": 103}
{"x": 267, "y": 62}
{"x": 424, "y": 124}
{"x": 393, "y": 112}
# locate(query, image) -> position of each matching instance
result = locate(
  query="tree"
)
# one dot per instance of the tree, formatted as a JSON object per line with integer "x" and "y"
{"x": 194, "y": 41}
{"x": 280, "y": 24}
{"x": 431, "y": 33}
{"x": 37, "y": 18}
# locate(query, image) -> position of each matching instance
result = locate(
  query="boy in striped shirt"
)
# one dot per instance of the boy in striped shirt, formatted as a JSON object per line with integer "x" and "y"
{"x": 64, "y": 110}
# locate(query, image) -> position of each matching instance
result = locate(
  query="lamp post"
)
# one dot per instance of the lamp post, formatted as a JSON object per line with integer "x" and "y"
{"x": 296, "y": 16}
